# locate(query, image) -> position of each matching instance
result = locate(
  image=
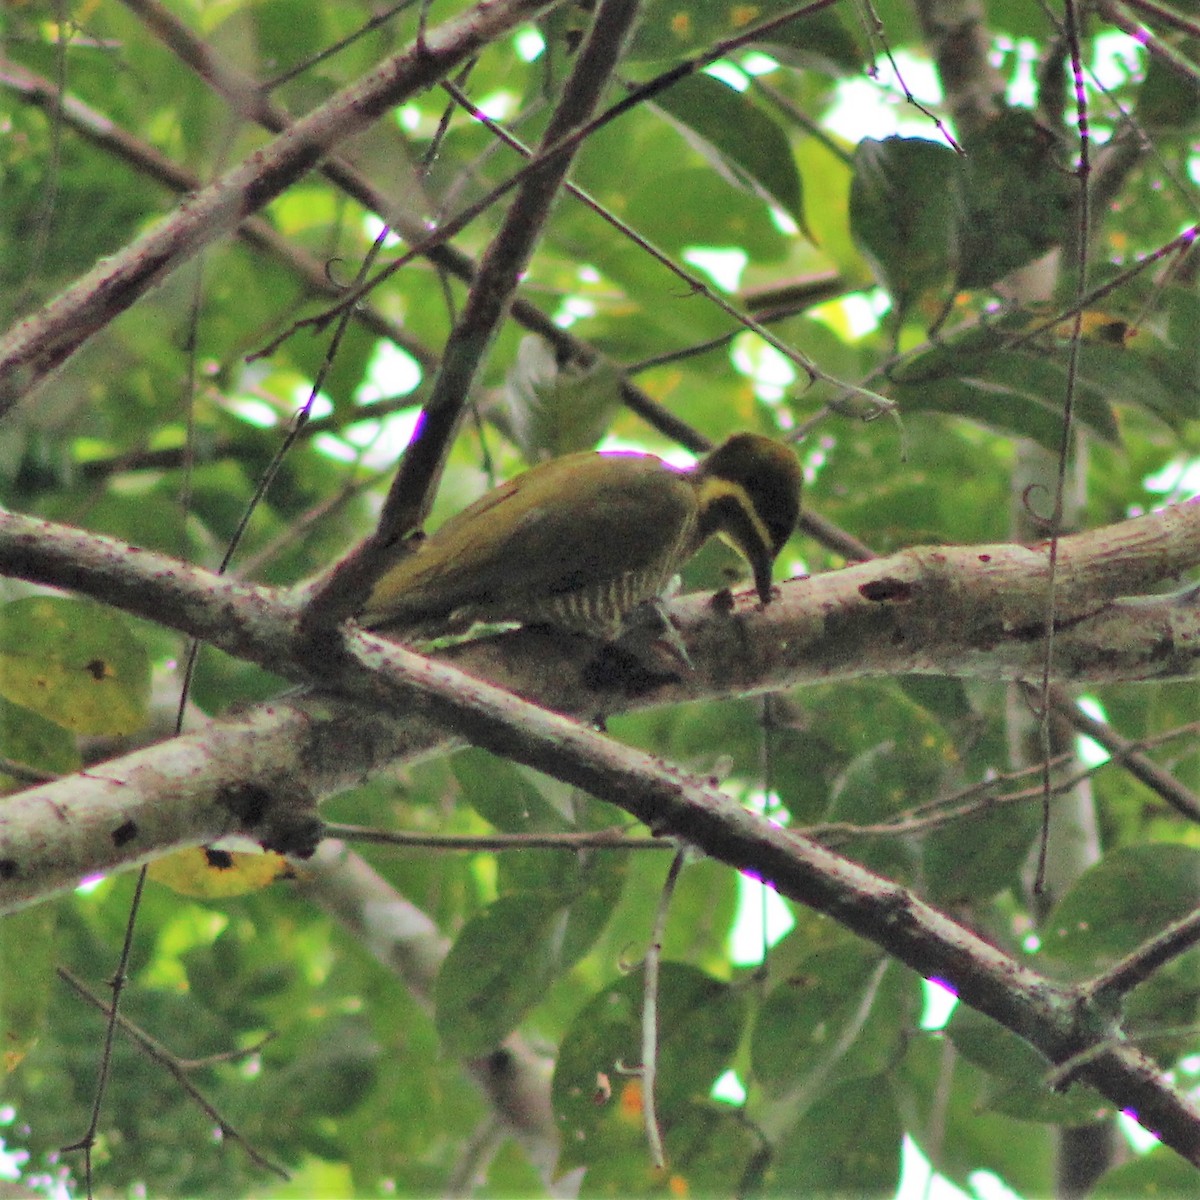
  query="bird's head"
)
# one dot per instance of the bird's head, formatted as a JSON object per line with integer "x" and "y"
{"x": 749, "y": 490}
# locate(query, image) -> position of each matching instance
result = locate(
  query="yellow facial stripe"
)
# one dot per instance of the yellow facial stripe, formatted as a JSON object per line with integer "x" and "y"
{"x": 713, "y": 489}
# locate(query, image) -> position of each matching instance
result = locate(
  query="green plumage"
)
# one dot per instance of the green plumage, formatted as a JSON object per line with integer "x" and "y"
{"x": 581, "y": 541}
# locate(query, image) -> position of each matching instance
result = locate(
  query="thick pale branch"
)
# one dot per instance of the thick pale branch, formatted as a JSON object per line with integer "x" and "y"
{"x": 38, "y": 345}
{"x": 953, "y": 610}
{"x": 256, "y": 775}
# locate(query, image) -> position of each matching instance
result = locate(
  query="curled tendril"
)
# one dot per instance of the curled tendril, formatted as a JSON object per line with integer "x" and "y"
{"x": 1027, "y": 505}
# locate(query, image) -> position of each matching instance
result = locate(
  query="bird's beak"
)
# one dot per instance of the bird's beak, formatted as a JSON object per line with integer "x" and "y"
{"x": 761, "y": 566}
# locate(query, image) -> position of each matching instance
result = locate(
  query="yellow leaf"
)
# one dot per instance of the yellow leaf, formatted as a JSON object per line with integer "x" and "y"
{"x": 213, "y": 874}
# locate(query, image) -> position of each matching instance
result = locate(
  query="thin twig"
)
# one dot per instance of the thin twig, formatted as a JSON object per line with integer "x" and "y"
{"x": 234, "y": 86}
{"x": 601, "y": 839}
{"x": 43, "y": 220}
{"x": 119, "y": 980}
{"x": 368, "y": 26}
{"x": 1122, "y": 977}
{"x": 39, "y": 345}
{"x": 1167, "y": 15}
{"x": 101, "y": 131}
{"x": 694, "y": 283}
{"x": 649, "y": 1069}
{"x": 178, "y": 1068}
{"x": 565, "y": 146}
{"x": 1083, "y": 233}
{"x": 1171, "y": 58}
{"x": 1182, "y": 799}
{"x": 1061, "y": 1077}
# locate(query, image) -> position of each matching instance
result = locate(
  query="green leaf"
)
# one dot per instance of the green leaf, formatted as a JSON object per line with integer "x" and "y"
{"x": 738, "y": 138}
{"x": 1147, "y": 373}
{"x": 848, "y": 1143}
{"x": 703, "y": 909}
{"x": 1127, "y": 897}
{"x": 35, "y": 742}
{"x": 504, "y": 794}
{"x": 499, "y": 967}
{"x": 703, "y": 212}
{"x": 509, "y": 1173}
{"x": 817, "y": 743}
{"x": 271, "y": 34}
{"x": 27, "y": 953}
{"x": 937, "y": 1093}
{"x": 1167, "y": 101}
{"x": 1159, "y": 1175}
{"x": 865, "y": 793}
{"x": 710, "y": 1150}
{"x": 822, "y": 41}
{"x": 1019, "y": 391}
{"x": 906, "y": 227}
{"x": 75, "y": 663}
{"x": 1017, "y": 1075}
{"x": 597, "y": 1104}
{"x": 828, "y": 177}
{"x": 587, "y": 883}
{"x": 671, "y": 28}
{"x": 600, "y": 878}
{"x": 552, "y": 411}
{"x": 341, "y": 1071}
{"x": 1161, "y": 1014}
{"x": 1018, "y": 197}
{"x": 898, "y": 773}
{"x": 840, "y": 1013}
{"x": 973, "y": 858}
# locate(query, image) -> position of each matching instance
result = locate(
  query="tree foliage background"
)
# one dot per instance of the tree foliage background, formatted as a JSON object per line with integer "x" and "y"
{"x": 467, "y": 1018}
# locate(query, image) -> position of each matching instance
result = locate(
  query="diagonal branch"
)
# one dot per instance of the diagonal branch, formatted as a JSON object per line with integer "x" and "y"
{"x": 1058, "y": 1021}
{"x": 1141, "y": 766}
{"x": 949, "y": 618}
{"x": 1122, "y": 977}
{"x": 141, "y": 805}
{"x": 96, "y": 128}
{"x": 505, "y": 259}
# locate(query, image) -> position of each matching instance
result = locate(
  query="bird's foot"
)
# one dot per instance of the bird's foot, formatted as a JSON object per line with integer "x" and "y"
{"x": 649, "y": 632}
{"x": 648, "y": 653}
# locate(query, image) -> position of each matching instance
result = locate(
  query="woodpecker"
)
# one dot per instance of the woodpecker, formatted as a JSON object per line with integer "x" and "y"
{"x": 581, "y": 541}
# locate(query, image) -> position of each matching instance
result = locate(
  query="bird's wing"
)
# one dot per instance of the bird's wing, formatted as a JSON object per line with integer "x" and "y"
{"x": 545, "y": 533}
